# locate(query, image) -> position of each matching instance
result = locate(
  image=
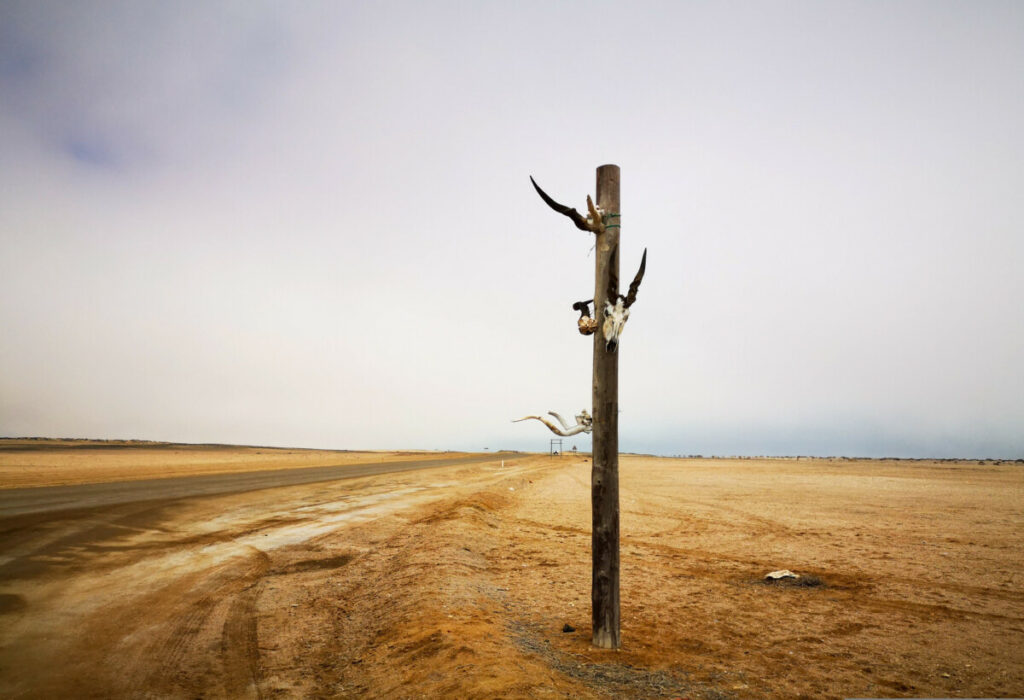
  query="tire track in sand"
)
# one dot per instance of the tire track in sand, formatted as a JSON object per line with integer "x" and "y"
{"x": 239, "y": 642}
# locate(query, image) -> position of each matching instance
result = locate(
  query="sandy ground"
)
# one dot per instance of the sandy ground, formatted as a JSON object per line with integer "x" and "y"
{"x": 457, "y": 582}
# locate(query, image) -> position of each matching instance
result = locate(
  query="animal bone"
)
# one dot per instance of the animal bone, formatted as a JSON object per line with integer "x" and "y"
{"x": 586, "y": 323}
{"x": 584, "y": 423}
{"x": 780, "y": 574}
{"x": 596, "y": 218}
{"x": 616, "y": 309}
{"x": 593, "y": 224}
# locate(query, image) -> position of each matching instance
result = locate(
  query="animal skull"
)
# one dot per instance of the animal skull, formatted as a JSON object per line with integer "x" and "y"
{"x": 616, "y": 308}
{"x": 586, "y": 323}
{"x": 614, "y": 320}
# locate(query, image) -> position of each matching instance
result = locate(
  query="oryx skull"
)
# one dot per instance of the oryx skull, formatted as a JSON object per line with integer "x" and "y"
{"x": 616, "y": 309}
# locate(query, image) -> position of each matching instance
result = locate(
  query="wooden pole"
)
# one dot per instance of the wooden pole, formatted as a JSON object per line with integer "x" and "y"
{"x": 604, "y": 477}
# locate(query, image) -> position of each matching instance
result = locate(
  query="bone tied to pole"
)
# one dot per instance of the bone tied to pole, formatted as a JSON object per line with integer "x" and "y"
{"x": 611, "y": 311}
{"x": 615, "y": 314}
{"x": 584, "y": 423}
{"x": 616, "y": 309}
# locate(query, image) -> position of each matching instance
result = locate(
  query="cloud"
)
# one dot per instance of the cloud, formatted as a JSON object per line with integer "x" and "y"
{"x": 137, "y": 83}
{"x": 314, "y": 225}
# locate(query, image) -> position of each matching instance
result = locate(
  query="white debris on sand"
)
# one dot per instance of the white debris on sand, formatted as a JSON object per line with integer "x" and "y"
{"x": 781, "y": 573}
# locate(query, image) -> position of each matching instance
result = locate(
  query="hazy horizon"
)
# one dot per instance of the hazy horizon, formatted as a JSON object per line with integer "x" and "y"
{"x": 567, "y": 449}
{"x": 312, "y": 225}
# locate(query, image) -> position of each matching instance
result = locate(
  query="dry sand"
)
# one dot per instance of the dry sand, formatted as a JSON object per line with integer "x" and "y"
{"x": 36, "y": 462}
{"x": 457, "y": 581}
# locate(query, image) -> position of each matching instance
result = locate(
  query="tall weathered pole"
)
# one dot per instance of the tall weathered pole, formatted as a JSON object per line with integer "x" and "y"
{"x": 604, "y": 476}
{"x": 611, "y": 309}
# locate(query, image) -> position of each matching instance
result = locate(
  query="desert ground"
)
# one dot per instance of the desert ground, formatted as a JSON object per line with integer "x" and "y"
{"x": 375, "y": 578}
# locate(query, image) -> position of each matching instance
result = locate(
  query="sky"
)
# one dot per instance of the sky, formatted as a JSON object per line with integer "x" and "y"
{"x": 311, "y": 224}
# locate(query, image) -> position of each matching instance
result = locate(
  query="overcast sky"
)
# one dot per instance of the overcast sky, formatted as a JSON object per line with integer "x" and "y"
{"x": 312, "y": 224}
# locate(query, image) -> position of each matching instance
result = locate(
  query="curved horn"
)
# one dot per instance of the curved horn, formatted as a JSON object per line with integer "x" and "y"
{"x": 583, "y": 307}
{"x": 613, "y": 277}
{"x": 560, "y": 420}
{"x": 577, "y": 218}
{"x": 635, "y": 286}
{"x": 554, "y": 428}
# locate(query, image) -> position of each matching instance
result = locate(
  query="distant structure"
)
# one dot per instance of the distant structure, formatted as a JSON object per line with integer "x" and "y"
{"x": 556, "y": 447}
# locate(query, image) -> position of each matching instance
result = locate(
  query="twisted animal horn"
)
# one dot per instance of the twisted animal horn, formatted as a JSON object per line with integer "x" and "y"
{"x": 574, "y": 430}
{"x": 560, "y": 420}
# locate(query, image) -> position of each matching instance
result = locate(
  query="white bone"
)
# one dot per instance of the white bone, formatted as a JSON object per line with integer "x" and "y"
{"x": 584, "y": 423}
{"x": 560, "y": 419}
{"x": 614, "y": 321}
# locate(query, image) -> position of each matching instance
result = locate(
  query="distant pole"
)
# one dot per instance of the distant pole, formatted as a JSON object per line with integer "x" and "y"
{"x": 604, "y": 475}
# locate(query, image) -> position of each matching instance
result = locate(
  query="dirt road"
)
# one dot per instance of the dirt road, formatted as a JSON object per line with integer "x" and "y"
{"x": 19, "y": 501}
{"x": 458, "y": 581}
{"x": 146, "y": 587}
